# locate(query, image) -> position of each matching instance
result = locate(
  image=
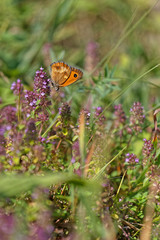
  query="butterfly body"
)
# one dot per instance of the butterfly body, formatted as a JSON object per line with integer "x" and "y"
{"x": 63, "y": 75}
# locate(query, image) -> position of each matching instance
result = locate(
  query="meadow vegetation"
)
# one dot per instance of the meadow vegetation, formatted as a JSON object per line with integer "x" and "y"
{"x": 81, "y": 162}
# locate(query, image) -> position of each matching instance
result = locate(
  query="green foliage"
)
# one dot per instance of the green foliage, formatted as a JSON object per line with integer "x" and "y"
{"x": 86, "y": 173}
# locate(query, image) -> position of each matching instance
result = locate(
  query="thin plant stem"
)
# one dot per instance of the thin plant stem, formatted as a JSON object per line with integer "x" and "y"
{"x": 19, "y": 108}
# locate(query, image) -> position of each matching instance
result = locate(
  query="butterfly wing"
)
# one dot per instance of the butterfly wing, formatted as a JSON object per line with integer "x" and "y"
{"x": 75, "y": 75}
{"x": 60, "y": 72}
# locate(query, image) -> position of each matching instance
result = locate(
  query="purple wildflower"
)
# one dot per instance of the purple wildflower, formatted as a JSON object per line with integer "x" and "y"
{"x": 91, "y": 56}
{"x": 87, "y": 115}
{"x": 62, "y": 94}
{"x": 17, "y": 87}
{"x": 2, "y": 144}
{"x": 147, "y": 148}
{"x": 137, "y": 117}
{"x": 147, "y": 151}
{"x": 131, "y": 158}
{"x": 9, "y": 115}
{"x": 41, "y": 87}
{"x": 42, "y": 139}
{"x": 65, "y": 112}
{"x": 120, "y": 115}
{"x": 46, "y": 53}
{"x": 73, "y": 160}
{"x": 30, "y": 102}
{"x": 100, "y": 118}
{"x": 75, "y": 149}
{"x": 37, "y": 100}
{"x": 43, "y": 117}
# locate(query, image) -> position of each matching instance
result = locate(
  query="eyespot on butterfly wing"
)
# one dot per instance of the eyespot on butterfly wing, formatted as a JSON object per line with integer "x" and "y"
{"x": 63, "y": 75}
{"x": 75, "y": 75}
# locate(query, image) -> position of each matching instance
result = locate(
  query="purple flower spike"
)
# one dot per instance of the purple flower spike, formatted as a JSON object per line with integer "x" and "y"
{"x": 131, "y": 158}
{"x": 65, "y": 112}
{"x": 17, "y": 87}
{"x": 120, "y": 115}
{"x": 137, "y": 117}
{"x": 147, "y": 148}
{"x": 9, "y": 114}
{"x": 73, "y": 160}
{"x": 41, "y": 87}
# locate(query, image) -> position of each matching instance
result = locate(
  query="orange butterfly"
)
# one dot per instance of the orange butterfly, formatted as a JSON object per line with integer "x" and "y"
{"x": 63, "y": 75}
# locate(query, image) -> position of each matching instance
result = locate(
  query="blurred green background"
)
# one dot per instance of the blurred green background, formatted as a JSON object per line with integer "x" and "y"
{"x": 119, "y": 37}
{"x": 37, "y": 33}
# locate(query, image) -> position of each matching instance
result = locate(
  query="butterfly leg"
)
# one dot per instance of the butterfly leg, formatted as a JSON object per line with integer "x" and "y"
{"x": 56, "y": 87}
